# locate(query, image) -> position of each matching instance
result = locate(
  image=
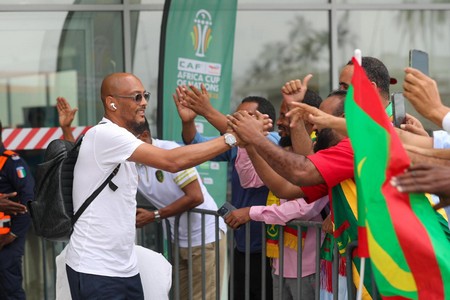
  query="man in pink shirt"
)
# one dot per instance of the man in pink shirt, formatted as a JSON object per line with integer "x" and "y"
{"x": 283, "y": 213}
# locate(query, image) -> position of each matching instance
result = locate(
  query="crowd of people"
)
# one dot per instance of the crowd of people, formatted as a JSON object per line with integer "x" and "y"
{"x": 304, "y": 171}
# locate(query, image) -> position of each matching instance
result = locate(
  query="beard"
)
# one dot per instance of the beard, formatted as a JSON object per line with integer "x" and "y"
{"x": 136, "y": 128}
{"x": 325, "y": 139}
{"x": 285, "y": 141}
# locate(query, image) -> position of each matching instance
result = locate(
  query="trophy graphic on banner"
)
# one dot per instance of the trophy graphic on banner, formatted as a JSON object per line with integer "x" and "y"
{"x": 202, "y": 32}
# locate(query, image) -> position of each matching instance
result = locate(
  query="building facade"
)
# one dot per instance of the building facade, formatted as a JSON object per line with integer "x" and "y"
{"x": 54, "y": 48}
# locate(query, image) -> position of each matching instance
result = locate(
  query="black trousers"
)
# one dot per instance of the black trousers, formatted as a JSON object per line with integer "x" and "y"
{"x": 256, "y": 289}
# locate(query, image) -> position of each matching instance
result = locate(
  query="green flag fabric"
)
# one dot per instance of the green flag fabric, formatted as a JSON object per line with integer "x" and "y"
{"x": 406, "y": 244}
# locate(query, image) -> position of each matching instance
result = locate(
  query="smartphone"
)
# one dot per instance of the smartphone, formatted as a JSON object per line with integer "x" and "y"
{"x": 419, "y": 60}
{"x": 225, "y": 209}
{"x": 398, "y": 109}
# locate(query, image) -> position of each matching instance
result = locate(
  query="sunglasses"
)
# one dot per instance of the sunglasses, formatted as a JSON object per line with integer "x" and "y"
{"x": 137, "y": 98}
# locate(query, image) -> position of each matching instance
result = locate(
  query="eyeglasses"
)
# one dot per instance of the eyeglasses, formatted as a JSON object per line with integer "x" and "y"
{"x": 137, "y": 98}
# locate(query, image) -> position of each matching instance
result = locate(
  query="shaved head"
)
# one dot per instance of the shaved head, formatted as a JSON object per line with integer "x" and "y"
{"x": 116, "y": 83}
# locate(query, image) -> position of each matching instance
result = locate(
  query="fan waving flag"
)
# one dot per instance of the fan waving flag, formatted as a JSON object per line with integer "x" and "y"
{"x": 406, "y": 245}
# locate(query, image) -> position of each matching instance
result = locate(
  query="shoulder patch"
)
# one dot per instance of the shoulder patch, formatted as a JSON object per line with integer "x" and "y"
{"x": 21, "y": 172}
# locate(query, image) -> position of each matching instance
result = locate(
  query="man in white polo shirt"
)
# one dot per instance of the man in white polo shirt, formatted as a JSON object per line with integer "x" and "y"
{"x": 174, "y": 194}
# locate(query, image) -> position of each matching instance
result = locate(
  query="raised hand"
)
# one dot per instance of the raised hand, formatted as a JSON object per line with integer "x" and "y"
{"x": 294, "y": 90}
{"x": 422, "y": 92}
{"x": 65, "y": 112}
{"x": 186, "y": 114}
{"x": 197, "y": 100}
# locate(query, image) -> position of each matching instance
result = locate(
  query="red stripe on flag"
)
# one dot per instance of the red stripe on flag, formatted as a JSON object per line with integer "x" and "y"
{"x": 294, "y": 231}
{"x": 27, "y": 139}
{"x": 394, "y": 298}
{"x": 46, "y": 137}
{"x": 362, "y": 250}
{"x": 341, "y": 229}
{"x": 275, "y": 242}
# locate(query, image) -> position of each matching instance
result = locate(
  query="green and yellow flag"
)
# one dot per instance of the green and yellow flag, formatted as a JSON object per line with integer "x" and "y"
{"x": 407, "y": 246}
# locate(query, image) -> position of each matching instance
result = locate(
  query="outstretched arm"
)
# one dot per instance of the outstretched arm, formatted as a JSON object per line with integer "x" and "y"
{"x": 297, "y": 169}
{"x": 319, "y": 118}
{"x": 66, "y": 115}
{"x": 179, "y": 158}
{"x": 413, "y": 139}
{"x": 425, "y": 178}
{"x": 281, "y": 187}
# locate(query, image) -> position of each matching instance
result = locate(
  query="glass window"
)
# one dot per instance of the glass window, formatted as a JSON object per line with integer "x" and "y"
{"x": 59, "y": 2}
{"x": 56, "y": 54}
{"x": 290, "y": 46}
{"x": 145, "y": 56}
{"x": 391, "y": 1}
{"x": 373, "y": 32}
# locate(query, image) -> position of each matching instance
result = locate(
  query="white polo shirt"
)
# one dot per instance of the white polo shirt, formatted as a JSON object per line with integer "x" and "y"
{"x": 103, "y": 239}
{"x": 162, "y": 188}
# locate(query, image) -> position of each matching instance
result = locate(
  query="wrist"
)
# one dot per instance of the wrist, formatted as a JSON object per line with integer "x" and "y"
{"x": 156, "y": 216}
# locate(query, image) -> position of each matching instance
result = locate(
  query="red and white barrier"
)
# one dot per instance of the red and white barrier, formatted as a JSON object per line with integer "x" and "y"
{"x": 35, "y": 138}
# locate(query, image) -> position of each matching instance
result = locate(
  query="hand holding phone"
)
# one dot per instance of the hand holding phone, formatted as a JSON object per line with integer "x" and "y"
{"x": 419, "y": 60}
{"x": 225, "y": 209}
{"x": 398, "y": 109}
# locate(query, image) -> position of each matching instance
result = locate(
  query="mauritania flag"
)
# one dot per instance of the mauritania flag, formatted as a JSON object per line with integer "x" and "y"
{"x": 407, "y": 246}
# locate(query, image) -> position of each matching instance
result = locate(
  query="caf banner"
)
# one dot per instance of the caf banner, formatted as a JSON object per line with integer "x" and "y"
{"x": 197, "y": 41}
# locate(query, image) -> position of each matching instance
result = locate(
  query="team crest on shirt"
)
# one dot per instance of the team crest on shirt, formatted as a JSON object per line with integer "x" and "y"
{"x": 21, "y": 173}
{"x": 159, "y": 176}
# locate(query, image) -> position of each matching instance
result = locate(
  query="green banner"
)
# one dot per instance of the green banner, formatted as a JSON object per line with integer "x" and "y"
{"x": 197, "y": 41}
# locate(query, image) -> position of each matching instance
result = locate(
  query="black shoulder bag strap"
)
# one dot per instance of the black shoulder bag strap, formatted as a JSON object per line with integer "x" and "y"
{"x": 95, "y": 194}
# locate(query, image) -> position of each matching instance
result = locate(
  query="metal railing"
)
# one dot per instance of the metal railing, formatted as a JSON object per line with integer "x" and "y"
{"x": 157, "y": 236}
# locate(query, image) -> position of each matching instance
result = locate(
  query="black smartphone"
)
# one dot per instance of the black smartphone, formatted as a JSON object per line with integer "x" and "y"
{"x": 419, "y": 60}
{"x": 225, "y": 209}
{"x": 398, "y": 109}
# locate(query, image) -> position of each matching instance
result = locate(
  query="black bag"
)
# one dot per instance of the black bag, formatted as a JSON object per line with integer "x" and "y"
{"x": 52, "y": 209}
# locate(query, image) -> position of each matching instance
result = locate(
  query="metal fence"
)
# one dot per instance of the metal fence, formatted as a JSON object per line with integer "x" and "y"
{"x": 157, "y": 237}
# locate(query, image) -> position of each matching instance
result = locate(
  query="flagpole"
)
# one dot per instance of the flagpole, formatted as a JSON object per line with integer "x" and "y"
{"x": 361, "y": 279}
{"x": 358, "y": 57}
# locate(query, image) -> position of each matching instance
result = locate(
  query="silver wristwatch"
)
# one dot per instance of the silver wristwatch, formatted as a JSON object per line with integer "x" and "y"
{"x": 230, "y": 139}
{"x": 157, "y": 216}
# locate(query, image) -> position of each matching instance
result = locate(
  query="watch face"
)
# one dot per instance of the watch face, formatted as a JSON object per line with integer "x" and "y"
{"x": 230, "y": 139}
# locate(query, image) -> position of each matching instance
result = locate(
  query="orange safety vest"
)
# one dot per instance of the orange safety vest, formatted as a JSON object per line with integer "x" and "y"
{"x": 5, "y": 220}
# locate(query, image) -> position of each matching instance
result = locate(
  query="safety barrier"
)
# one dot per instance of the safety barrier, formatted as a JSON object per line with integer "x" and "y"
{"x": 157, "y": 237}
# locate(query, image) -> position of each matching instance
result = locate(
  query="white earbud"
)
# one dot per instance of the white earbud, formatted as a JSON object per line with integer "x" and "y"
{"x": 113, "y": 105}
